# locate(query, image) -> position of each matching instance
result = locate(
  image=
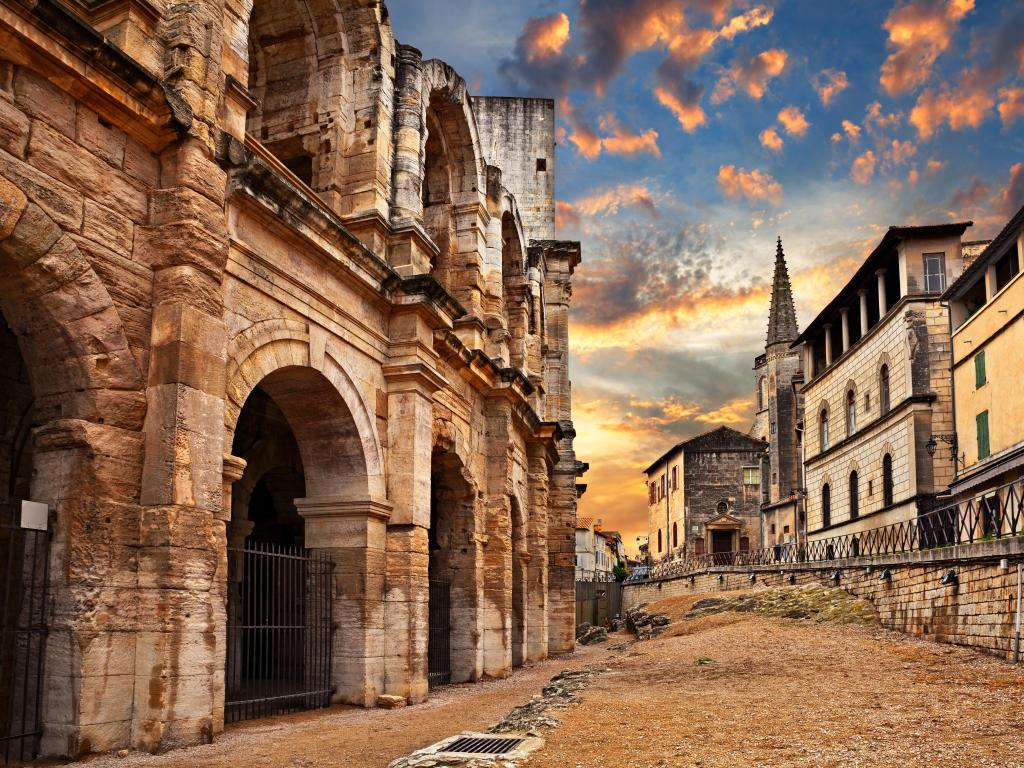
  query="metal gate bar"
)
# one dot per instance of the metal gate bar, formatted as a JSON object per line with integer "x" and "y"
{"x": 280, "y": 625}
{"x": 23, "y": 631}
{"x": 439, "y": 641}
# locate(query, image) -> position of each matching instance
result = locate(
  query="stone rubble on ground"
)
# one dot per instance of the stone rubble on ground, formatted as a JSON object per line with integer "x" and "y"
{"x": 822, "y": 604}
{"x": 645, "y": 625}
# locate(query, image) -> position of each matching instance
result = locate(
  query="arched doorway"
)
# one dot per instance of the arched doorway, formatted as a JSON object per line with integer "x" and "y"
{"x": 453, "y": 634}
{"x": 299, "y": 444}
{"x": 24, "y": 557}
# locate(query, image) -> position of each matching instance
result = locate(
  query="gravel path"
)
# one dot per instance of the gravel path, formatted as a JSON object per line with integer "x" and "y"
{"x": 742, "y": 690}
{"x": 349, "y": 737}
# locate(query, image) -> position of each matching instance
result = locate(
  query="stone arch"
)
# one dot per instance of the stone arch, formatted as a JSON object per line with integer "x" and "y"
{"x": 70, "y": 332}
{"x": 321, "y": 402}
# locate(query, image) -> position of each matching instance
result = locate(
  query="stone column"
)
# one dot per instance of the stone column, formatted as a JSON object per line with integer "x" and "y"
{"x": 809, "y": 360}
{"x": 883, "y": 305}
{"x": 845, "y": 317}
{"x": 828, "y": 344}
{"x": 353, "y": 533}
{"x": 540, "y": 465}
{"x": 562, "y": 498}
{"x": 862, "y": 295}
{"x": 407, "y": 173}
{"x": 411, "y": 387}
{"x": 497, "y": 554}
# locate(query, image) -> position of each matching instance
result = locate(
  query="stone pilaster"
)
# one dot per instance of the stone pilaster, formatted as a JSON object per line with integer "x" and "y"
{"x": 496, "y": 605}
{"x": 540, "y": 466}
{"x": 353, "y": 533}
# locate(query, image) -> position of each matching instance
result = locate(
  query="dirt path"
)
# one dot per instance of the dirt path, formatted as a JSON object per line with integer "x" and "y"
{"x": 362, "y": 738}
{"x": 740, "y": 690}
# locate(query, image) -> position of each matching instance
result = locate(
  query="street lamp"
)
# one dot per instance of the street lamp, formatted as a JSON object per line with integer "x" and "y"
{"x": 951, "y": 441}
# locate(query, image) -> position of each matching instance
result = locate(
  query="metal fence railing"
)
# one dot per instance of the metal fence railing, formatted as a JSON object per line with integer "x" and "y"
{"x": 997, "y": 514}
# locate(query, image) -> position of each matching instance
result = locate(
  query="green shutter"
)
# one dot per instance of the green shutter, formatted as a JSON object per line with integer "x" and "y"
{"x": 983, "y": 447}
{"x": 979, "y": 370}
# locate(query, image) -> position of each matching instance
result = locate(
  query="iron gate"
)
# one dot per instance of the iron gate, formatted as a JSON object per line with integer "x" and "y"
{"x": 23, "y": 600}
{"x": 439, "y": 641}
{"x": 280, "y": 626}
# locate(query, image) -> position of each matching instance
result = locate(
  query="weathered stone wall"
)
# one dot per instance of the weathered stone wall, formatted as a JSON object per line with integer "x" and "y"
{"x": 711, "y": 479}
{"x": 979, "y": 612}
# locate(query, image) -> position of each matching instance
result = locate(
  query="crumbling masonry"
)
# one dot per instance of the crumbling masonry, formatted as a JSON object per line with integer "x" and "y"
{"x": 269, "y": 277}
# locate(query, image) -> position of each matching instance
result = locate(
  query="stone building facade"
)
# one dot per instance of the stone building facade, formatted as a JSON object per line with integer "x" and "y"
{"x": 704, "y": 496}
{"x": 778, "y": 376}
{"x": 986, "y": 310}
{"x": 877, "y": 363}
{"x": 270, "y": 278}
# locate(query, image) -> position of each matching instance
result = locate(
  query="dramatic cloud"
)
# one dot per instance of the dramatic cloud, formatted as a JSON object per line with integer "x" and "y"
{"x": 793, "y": 121}
{"x": 687, "y": 110}
{"x": 852, "y": 131}
{"x": 566, "y": 216}
{"x": 919, "y": 32}
{"x": 750, "y": 75}
{"x": 898, "y": 152}
{"x": 608, "y": 202}
{"x": 770, "y": 138}
{"x": 971, "y": 199}
{"x": 620, "y": 141}
{"x": 753, "y": 185}
{"x": 1011, "y": 105}
{"x": 544, "y": 38}
{"x": 1012, "y": 196}
{"x": 965, "y": 107}
{"x": 877, "y": 122}
{"x": 830, "y": 83}
{"x": 863, "y": 168}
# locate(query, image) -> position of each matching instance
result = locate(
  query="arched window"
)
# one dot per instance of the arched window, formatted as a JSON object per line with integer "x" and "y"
{"x": 824, "y": 429}
{"x": 826, "y": 506}
{"x": 675, "y": 535}
{"x": 659, "y": 539}
{"x": 854, "y": 497}
{"x": 723, "y": 507}
{"x": 851, "y": 412}
{"x": 887, "y": 481}
{"x": 883, "y": 388}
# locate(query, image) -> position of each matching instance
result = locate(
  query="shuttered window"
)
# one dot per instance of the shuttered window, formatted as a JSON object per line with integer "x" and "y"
{"x": 980, "y": 379}
{"x": 983, "y": 445}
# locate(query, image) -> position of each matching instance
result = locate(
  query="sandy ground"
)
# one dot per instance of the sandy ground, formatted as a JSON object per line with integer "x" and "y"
{"x": 719, "y": 691}
{"x": 349, "y": 737}
{"x": 739, "y": 690}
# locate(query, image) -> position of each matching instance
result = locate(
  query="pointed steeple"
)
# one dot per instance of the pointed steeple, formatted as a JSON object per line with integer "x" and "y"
{"x": 782, "y": 316}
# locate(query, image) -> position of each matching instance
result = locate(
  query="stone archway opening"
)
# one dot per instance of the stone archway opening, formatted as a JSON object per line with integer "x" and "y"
{"x": 301, "y": 451}
{"x": 437, "y": 200}
{"x": 453, "y": 634}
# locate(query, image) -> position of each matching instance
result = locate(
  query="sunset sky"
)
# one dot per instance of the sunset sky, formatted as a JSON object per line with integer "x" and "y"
{"x": 691, "y": 134}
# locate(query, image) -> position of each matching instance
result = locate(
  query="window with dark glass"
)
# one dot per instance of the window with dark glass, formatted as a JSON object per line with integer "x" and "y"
{"x": 851, "y": 412}
{"x": 883, "y": 388}
{"x": 1006, "y": 269}
{"x": 659, "y": 539}
{"x": 887, "y": 481}
{"x": 854, "y": 497}
{"x": 826, "y": 506}
{"x": 824, "y": 429}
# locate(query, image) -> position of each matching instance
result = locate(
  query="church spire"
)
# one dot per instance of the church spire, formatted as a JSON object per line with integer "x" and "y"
{"x": 782, "y": 316}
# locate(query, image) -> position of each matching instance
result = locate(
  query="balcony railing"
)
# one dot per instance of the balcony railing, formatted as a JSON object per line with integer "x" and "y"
{"x": 997, "y": 514}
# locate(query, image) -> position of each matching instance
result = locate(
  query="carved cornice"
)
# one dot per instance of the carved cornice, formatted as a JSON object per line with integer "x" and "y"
{"x": 344, "y": 506}
{"x": 427, "y": 291}
{"x": 415, "y": 375}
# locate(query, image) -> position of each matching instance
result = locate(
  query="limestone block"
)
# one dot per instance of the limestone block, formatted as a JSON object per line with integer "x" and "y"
{"x": 14, "y": 125}
{"x": 100, "y": 137}
{"x": 39, "y": 98}
{"x": 108, "y": 228}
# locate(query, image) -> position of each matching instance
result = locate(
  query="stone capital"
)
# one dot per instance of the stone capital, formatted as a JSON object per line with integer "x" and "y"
{"x": 413, "y": 376}
{"x": 342, "y": 522}
{"x": 234, "y": 468}
{"x": 343, "y": 506}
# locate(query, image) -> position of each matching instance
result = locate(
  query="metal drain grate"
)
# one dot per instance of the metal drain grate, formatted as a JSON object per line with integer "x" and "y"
{"x": 483, "y": 745}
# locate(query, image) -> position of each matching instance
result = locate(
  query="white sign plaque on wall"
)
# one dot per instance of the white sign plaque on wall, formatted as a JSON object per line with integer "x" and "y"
{"x": 34, "y": 515}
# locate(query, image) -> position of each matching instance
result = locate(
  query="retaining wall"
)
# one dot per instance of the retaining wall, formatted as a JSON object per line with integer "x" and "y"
{"x": 977, "y": 612}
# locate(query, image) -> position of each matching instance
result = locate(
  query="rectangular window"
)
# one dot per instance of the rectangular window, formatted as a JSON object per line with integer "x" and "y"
{"x": 934, "y": 272}
{"x": 751, "y": 475}
{"x": 983, "y": 446}
{"x": 675, "y": 478}
{"x": 1006, "y": 269}
{"x": 980, "y": 379}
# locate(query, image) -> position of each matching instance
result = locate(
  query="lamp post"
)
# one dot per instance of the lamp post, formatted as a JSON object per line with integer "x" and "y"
{"x": 954, "y": 450}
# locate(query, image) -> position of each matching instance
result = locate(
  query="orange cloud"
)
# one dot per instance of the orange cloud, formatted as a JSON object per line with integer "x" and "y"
{"x": 753, "y": 185}
{"x": 830, "y": 83}
{"x": 770, "y": 138}
{"x": 836, "y": 138}
{"x": 899, "y": 152}
{"x": 566, "y": 216}
{"x": 1012, "y": 196}
{"x": 852, "y": 131}
{"x": 1011, "y": 104}
{"x": 545, "y": 37}
{"x": 733, "y": 412}
{"x": 610, "y": 201}
{"x": 913, "y": 177}
{"x": 876, "y": 121}
{"x": 759, "y": 16}
{"x": 863, "y": 168}
{"x": 793, "y": 121}
{"x": 933, "y": 166}
{"x": 690, "y": 116}
{"x": 622, "y": 142}
{"x": 751, "y": 76}
{"x": 919, "y": 32}
{"x": 962, "y": 108}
